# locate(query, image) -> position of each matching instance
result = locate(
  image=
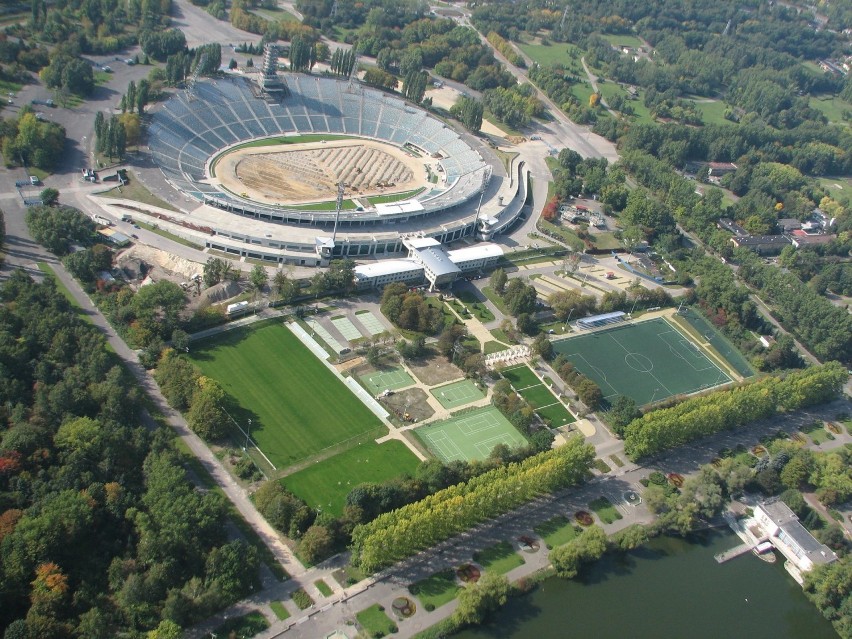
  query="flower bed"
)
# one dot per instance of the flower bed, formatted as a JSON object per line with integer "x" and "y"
{"x": 675, "y": 479}
{"x": 584, "y": 518}
{"x": 468, "y": 573}
{"x": 403, "y": 607}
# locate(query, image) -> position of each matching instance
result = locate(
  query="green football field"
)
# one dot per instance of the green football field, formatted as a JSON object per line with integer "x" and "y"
{"x": 297, "y": 406}
{"x": 325, "y": 484}
{"x": 470, "y": 436}
{"x": 457, "y": 394}
{"x": 648, "y": 361}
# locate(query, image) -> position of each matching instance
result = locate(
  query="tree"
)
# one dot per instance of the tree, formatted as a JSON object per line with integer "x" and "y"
{"x": 543, "y": 347}
{"x": 206, "y": 415}
{"x": 178, "y": 379}
{"x": 166, "y": 630}
{"x": 470, "y": 112}
{"x": 481, "y": 599}
{"x": 49, "y": 196}
{"x": 498, "y": 281}
{"x": 568, "y": 304}
{"x": 57, "y": 228}
{"x": 589, "y": 546}
{"x": 258, "y": 277}
{"x": 520, "y": 297}
{"x": 621, "y": 413}
{"x": 317, "y": 543}
{"x": 285, "y": 288}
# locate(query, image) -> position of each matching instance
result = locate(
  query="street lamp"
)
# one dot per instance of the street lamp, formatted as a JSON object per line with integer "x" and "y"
{"x": 248, "y": 435}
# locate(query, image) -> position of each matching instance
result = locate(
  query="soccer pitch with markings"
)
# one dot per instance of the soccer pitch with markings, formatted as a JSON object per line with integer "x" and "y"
{"x": 648, "y": 361}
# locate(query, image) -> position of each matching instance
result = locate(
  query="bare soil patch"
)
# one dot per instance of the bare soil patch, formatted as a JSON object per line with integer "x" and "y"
{"x": 434, "y": 370}
{"x": 412, "y": 401}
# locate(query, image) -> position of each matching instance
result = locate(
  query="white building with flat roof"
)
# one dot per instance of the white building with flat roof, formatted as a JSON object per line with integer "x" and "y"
{"x": 428, "y": 260}
{"x": 774, "y": 519}
{"x": 378, "y": 274}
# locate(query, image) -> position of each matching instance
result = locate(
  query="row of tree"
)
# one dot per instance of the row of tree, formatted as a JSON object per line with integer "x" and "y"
{"x": 728, "y": 409}
{"x": 403, "y": 532}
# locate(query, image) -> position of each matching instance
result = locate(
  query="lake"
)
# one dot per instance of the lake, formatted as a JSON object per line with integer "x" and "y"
{"x": 669, "y": 588}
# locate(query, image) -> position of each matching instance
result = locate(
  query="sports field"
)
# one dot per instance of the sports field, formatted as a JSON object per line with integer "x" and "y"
{"x": 546, "y": 404}
{"x": 457, "y": 394}
{"x": 392, "y": 379}
{"x": 470, "y": 436}
{"x": 648, "y": 361}
{"x": 325, "y": 484}
{"x": 297, "y": 406}
{"x": 718, "y": 341}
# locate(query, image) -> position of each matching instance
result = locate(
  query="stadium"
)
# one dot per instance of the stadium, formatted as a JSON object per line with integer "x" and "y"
{"x": 326, "y": 168}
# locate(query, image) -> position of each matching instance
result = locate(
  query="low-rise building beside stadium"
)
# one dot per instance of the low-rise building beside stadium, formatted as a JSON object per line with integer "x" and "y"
{"x": 428, "y": 261}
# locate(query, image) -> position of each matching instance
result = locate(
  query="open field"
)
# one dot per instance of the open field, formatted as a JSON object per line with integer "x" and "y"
{"x": 832, "y": 107}
{"x": 297, "y": 406}
{"x": 521, "y": 376}
{"x": 839, "y": 187}
{"x": 457, "y": 394}
{"x": 556, "y": 531}
{"x": 622, "y": 40}
{"x": 326, "y": 483}
{"x": 556, "y": 53}
{"x": 470, "y": 436}
{"x": 605, "y": 510}
{"x": 555, "y": 415}
{"x": 648, "y": 361}
{"x": 436, "y": 589}
{"x": 499, "y": 558}
{"x": 375, "y": 621}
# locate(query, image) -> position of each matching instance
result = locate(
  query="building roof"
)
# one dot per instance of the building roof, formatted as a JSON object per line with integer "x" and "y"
{"x": 404, "y": 206}
{"x": 478, "y": 251}
{"x": 761, "y": 240}
{"x": 436, "y": 260}
{"x": 786, "y": 520}
{"x": 801, "y": 238}
{"x": 729, "y": 225}
{"x": 789, "y": 223}
{"x": 386, "y": 267}
{"x": 420, "y": 242}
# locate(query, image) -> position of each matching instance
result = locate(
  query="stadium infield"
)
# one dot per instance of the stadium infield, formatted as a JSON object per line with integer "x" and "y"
{"x": 471, "y": 436}
{"x": 648, "y": 361}
{"x": 297, "y": 406}
{"x": 326, "y": 484}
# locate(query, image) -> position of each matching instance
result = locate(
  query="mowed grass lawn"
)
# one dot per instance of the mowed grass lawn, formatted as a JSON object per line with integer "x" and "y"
{"x": 326, "y": 483}
{"x": 297, "y": 406}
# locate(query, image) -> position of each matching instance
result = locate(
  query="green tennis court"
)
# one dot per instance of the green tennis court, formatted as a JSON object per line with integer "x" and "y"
{"x": 392, "y": 379}
{"x": 647, "y": 361}
{"x": 471, "y": 436}
{"x": 457, "y": 394}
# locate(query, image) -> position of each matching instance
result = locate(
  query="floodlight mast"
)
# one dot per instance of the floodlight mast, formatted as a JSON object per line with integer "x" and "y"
{"x": 340, "y": 187}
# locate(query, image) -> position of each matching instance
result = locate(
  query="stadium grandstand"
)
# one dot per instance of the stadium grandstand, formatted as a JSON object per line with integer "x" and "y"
{"x": 596, "y": 321}
{"x": 191, "y": 132}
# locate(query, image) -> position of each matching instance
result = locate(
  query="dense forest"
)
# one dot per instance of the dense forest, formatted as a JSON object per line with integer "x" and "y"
{"x": 101, "y": 531}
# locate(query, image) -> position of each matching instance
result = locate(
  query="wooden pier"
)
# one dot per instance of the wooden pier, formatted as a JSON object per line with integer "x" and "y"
{"x": 742, "y": 549}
